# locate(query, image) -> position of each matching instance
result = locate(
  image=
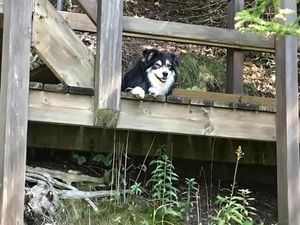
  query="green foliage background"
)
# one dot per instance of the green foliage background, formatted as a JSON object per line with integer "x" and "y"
{"x": 252, "y": 19}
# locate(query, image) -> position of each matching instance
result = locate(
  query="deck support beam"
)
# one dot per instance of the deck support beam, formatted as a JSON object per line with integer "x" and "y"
{"x": 287, "y": 126}
{"x": 108, "y": 68}
{"x": 60, "y": 48}
{"x": 14, "y": 109}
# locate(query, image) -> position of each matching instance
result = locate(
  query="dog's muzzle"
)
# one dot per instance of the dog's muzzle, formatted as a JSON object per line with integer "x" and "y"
{"x": 163, "y": 79}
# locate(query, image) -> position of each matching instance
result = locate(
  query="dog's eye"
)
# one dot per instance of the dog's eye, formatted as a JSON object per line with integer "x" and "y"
{"x": 157, "y": 65}
{"x": 169, "y": 66}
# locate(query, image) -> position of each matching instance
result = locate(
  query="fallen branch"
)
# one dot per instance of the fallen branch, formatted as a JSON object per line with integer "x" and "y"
{"x": 45, "y": 188}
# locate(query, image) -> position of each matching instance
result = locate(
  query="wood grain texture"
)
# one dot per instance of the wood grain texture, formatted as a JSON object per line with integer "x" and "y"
{"x": 1, "y": 6}
{"x": 235, "y": 57}
{"x": 172, "y": 31}
{"x": 196, "y": 97}
{"x": 14, "y": 109}
{"x": 60, "y": 48}
{"x": 287, "y": 127}
{"x": 78, "y": 21}
{"x": 156, "y": 117}
{"x": 108, "y": 68}
{"x": 90, "y": 7}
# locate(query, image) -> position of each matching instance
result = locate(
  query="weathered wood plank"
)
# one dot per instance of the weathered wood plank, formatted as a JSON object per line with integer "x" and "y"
{"x": 60, "y": 48}
{"x": 1, "y": 6}
{"x": 90, "y": 7}
{"x": 156, "y": 117}
{"x": 14, "y": 109}
{"x": 235, "y": 58}
{"x": 198, "y": 34}
{"x": 108, "y": 68}
{"x": 287, "y": 126}
{"x": 197, "y": 96}
{"x": 78, "y": 21}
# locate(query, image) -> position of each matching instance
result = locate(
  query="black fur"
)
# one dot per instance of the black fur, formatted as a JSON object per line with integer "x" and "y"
{"x": 137, "y": 76}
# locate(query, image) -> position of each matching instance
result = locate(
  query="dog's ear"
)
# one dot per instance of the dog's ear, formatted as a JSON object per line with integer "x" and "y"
{"x": 175, "y": 59}
{"x": 149, "y": 54}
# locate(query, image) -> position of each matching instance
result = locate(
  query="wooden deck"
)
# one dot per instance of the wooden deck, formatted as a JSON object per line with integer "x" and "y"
{"x": 196, "y": 113}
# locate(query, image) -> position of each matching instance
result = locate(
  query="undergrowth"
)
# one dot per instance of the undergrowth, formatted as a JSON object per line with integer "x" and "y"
{"x": 198, "y": 72}
{"x": 160, "y": 199}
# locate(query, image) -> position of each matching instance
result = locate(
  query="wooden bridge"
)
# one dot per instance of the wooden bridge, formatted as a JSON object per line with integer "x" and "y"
{"x": 89, "y": 95}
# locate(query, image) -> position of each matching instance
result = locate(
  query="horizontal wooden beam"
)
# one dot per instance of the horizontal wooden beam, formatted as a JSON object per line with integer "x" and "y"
{"x": 72, "y": 138}
{"x": 178, "y": 32}
{"x": 195, "y": 34}
{"x": 60, "y": 48}
{"x": 162, "y": 117}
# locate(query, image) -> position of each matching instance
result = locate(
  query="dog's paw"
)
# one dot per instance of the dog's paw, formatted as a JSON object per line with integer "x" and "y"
{"x": 138, "y": 92}
{"x": 153, "y": 92}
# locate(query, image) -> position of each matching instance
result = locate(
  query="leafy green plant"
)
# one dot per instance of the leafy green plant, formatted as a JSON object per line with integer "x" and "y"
{"x": 189, "y": 197}
{"x": 199, "y": 72}
{"x": 235, "y": 209}
{"x": 80, "y": 159}
{"x": 252, "y": 19}
{"x": 162, "y": 181}
{"x": 105, "y": 160}
{"x": 136, "y": 189}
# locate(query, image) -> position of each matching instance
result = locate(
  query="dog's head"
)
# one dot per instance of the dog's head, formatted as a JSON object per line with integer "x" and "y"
{"x": 161, "y": 67}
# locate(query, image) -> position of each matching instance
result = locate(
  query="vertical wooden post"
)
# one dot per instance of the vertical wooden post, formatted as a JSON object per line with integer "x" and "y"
{"x": 59, "y": 5}
{"x": 287, "y": 125}
{"x": 14, "y": 109}
{"x": 235, "y": 58}
{"x": 108, "y": 68}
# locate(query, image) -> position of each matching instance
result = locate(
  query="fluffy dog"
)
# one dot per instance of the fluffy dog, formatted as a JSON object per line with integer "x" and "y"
{"x": 154, "y": 74}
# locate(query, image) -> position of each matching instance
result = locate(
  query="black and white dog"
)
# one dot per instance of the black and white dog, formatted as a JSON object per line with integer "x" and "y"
{"x": 154, "y": 74}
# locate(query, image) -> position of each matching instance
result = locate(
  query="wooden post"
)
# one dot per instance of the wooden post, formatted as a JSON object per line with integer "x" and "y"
{"x": 108, "y": 68}
{"x": 235, "y": 58}
{"x": 59, "y": 5}
{"x": 287, "y": 125}
{"x": 14, "y": 109}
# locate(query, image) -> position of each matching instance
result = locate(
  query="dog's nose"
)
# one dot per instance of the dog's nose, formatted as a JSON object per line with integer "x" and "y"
{"x": 165, "y": 74}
